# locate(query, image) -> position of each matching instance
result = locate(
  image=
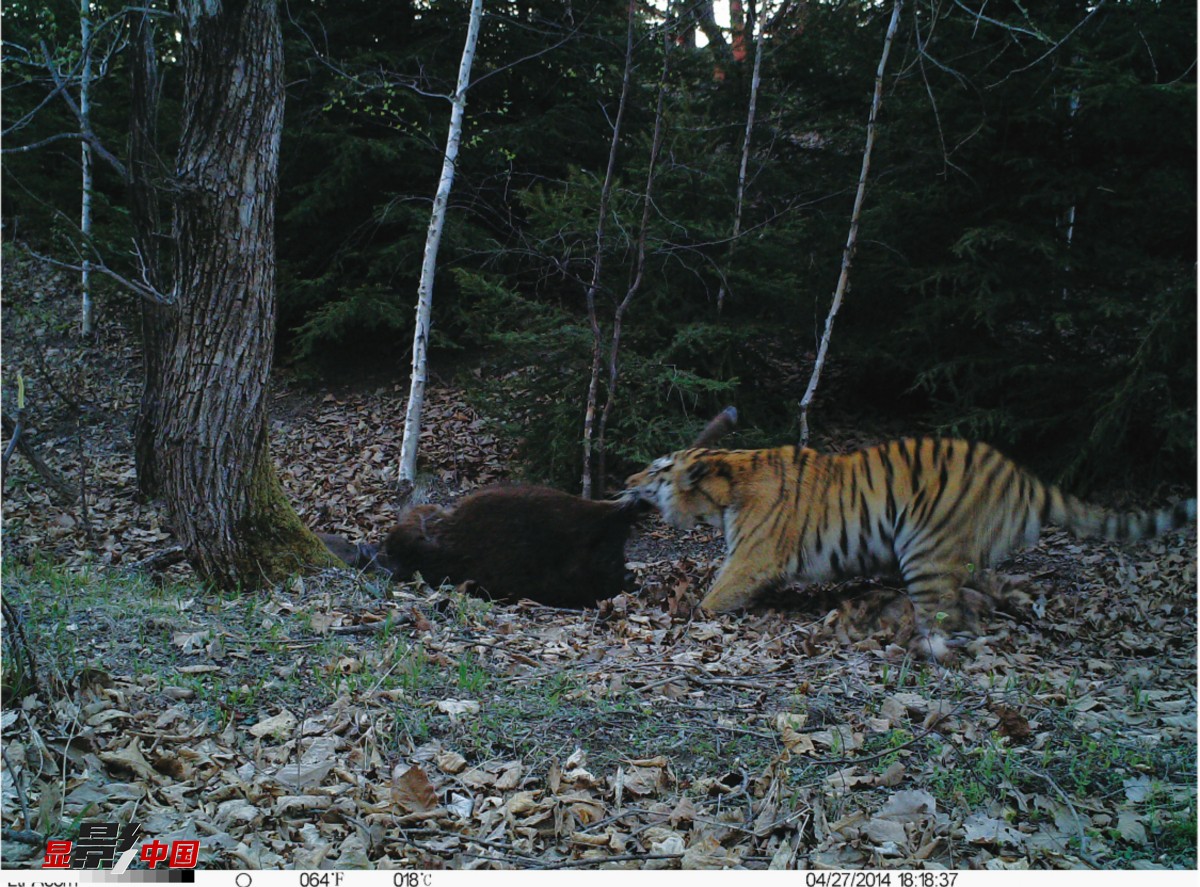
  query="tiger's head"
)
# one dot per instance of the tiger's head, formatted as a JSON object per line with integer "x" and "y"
{"x": 688, "y": 487}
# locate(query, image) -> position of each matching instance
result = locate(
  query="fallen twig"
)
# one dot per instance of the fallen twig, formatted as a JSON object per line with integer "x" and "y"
{"x": 60, "y": 489}
{"x": 161, "y": 561}
{"x": 24, "y": 837}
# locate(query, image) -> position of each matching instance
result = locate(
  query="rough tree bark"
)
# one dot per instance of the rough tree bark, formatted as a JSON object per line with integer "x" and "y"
{"x": 851, "y": 238}
{"x": 589, "y": 418}
{"x": 224, "y": 499}
{"x": 437, "y": 220}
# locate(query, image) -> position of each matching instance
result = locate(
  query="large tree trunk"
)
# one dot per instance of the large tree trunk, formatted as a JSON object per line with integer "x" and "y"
{"x": 225, "y": 501}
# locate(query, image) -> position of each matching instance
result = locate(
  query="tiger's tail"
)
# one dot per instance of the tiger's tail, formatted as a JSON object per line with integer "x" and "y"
{"x": 720, "y": 425}
{"x": 1082, "y": 519}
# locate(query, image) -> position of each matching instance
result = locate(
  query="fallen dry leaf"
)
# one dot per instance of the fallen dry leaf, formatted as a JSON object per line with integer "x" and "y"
{"x": 457, "y": 708}
{"x": 1012, "y": 724}
{"x": 451, "y": 762}
{"x": 278, "y": 726}
{"x": 413, "y": 792}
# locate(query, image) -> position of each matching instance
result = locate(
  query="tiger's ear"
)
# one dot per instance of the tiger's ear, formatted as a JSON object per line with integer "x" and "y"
{"x": 695, "y": 472}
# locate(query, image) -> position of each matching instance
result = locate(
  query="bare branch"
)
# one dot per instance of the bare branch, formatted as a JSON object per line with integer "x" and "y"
{"x": 921, "y": 56}
{"x": 1053, "y": 48}
{"x": 384, "y": 79}
{"x": 144, "y": 290}
{"x": 533, "y": 55}
{"x": 640, "y": 262}
{"x": 852, "y": 238}
{"x": 25, "y": 121}
{"x": 21, "y": 149}
{"x": 87, "y": 132}
{"x": 61, "y": 82}
{"x": 58, "y": 486}
{"x": 755, "y": 80}
{"x": 589, "y": 419}
{"x": 15, "y": 626}
{"x": 980, "y": 17}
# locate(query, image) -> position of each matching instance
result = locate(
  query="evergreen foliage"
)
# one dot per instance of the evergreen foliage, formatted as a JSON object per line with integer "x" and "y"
{"x": 1026, "y": 265}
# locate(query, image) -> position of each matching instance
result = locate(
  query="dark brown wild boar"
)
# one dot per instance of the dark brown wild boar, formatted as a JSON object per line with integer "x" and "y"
{"x": 519, "y": 542}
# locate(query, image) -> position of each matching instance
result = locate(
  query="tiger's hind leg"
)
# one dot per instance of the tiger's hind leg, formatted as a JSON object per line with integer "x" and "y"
{"x": 943, "y": 615}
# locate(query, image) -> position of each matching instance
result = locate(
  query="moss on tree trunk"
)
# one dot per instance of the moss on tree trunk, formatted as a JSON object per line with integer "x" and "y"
{"x": 277, "y": 543}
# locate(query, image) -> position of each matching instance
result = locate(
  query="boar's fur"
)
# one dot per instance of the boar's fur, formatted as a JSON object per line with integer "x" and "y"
{"x": 359, "y": 555}
{"x": 511, "y": 542}
{"x": 518, "y": 542}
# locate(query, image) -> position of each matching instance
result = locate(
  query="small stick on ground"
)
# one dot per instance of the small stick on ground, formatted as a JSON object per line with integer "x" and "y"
{"x": 62, "y": 491}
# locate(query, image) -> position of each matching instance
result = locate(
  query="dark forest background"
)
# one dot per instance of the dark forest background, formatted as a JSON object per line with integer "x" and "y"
{"x": 1026, "y": 267}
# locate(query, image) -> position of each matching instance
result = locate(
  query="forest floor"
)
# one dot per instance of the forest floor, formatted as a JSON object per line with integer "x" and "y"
{"x": 340, "y": 721}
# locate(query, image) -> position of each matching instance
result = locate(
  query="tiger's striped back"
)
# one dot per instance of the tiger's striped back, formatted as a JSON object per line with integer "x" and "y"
{"x": 932, "y": 509}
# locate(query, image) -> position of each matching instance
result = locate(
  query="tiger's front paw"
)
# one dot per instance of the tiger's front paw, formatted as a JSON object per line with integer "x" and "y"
{"x": 934, "y": 646}
{"x": 725, "y": 601}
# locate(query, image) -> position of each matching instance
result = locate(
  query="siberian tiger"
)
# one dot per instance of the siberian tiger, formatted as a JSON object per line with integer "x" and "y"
{"x": 931, "y": 510}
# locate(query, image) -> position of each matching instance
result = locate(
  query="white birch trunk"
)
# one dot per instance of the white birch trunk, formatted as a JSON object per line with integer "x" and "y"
{"x": 852, "y": 237}
{"x": 85, "y": 158}
{"x": 416, "y": 394}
